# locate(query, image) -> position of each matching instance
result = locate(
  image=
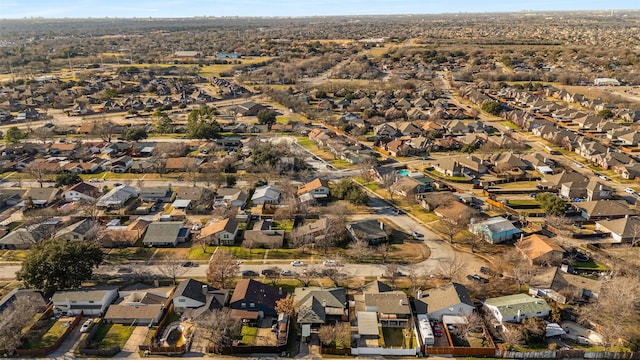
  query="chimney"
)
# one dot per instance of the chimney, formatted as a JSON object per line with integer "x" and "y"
{"x": 401, "y": 302}
{"x": 205, "y": 289}
{"x": 324, "y": 303}
{"x": 280, "y": 290}
{"x": 381, "y": 225}
{"x": 419, "y": 295}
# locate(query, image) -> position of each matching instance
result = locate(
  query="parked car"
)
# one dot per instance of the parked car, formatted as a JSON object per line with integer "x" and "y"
{"x": 86, "y": 326}
{"x": 476, "y": 277}
{"x": 188, "y": 264}
{"x": 437, "y": 329}
{"x": 297, "y": 263}
{"x": 330, "y": 263}
{"x": 486, "y": 271}
{"x": 287, "y": 273}
{"x": 94, "y": 180}
{"x": 269, "y": 272}
{"x": 417, "y": 234}
{"x": 249, "y": 273}
{"x": 629, "y": 190}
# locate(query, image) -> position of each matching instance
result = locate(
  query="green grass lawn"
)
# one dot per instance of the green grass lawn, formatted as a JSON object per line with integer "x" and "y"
{"x": 50, "y": 337}
{"x": 133, "y": 253}
{"x": 286, "y": 225}
{"x": 524, "y": 202}
{"x": 283, "y": 254}
{"x": 15, "y": 255}
{"x": 240, "y": 252}
{"x": 589, "y": 265}
{"x": 111, "y": 335}
{"x": 249, "y": 334}
{"x": 196, "y": 253}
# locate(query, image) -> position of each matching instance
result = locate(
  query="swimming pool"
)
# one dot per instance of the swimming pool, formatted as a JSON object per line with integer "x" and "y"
{"x": 403, "y": 172}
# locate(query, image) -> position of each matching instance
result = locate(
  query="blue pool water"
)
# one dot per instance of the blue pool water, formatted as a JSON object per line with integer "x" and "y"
{"x": 403, "y": 172}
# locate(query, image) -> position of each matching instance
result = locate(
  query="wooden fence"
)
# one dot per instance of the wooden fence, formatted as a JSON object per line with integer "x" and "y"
{"x": 53, "y": 347}
{"x": 461, "y": 351}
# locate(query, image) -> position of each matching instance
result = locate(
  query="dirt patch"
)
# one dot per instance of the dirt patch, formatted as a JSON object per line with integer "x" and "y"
{"x": 410, "y": 252}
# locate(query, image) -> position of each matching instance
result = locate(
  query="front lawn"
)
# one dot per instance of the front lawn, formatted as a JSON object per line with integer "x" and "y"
{"x": 589, "y": 265}
{"x": 15, "y": 255}
{"x": 196, "y": 253}
{"x": 55, "y": 331}
{"x": 127, "y": 254}
{"x": 243, "y": 253}
{"x": 111, "y": 335}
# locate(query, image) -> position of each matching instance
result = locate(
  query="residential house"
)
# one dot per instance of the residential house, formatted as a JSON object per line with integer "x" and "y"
{"x": 399, "y": 148}
{"x": 507, "y": 161}
{"x": 194, "y": 197}
{"x": 625, "y": 230}
{"x": 63, "y": 149}
{"x": 392, "y": 307}
{"x": 266, "y": 194}
{"x": 454, "y": 211}
{"x": 24, "y": 237}
{"x": 319, "y": 306}
{"x": 495, "y": 230}
{"x": 598, "y": 191}
{"x": 313, "y": 230}
{"x": 628, "y": 172}
{"x": 412, "y": 186}
{"x": 165, "y": 233}
{"x": 42, "y": 196}
{"x": 82, "y": 192}
{"x": 472, "y": 163}
{"x": 448, "y": 167}
{"x": 372, "y": 231}
{"x": 181, "y": 164}
{"x": 450, "y": 299}
{"x": 121, "y": 164}
{"x": 115, "y": 235}
{"x": 157, "y": 194}
{"x": 223, "y": 232}
{"x": 254, "y": 296}
{"x": 18, "y": 296}
{"x": 80, "y": 231}
{"x": 540, "y": 250}
{"x": 385, "y": 130}
{"x": 140, "y": 307}
{"x": 249, "y": 108}
{"x": 89, "y": 301}
{"x": 515, "y": 308}
{"x": 231, "y": 197}
{"x": 193, "y": 299}
{"x": 262, "y": 235}
{"x": 575, "y": 189}
{"x": 117, "y": 197}
{"x": 11, "y": 196}
{"x": 604, "y": 209}
{"x": 318, "y": 188}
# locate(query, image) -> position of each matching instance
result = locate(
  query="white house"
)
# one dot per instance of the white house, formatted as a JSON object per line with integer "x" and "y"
{"x": 193, "y": 297}
{"x": 517, "y": 307}
{"x": 117, "y": 197}
{"x": 82, "y": 191}
{"x": 318, "y": 188}
{"x": 223, "y": 232}
{"x": 90, "y": 301}
{"x": 266, "y": 194}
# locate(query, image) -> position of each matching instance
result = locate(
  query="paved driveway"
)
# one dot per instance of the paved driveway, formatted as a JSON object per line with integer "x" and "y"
{"x": 130, "y": 349}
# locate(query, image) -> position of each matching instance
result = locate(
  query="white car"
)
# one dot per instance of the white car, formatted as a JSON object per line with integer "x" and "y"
{"x": 86, "y": 326}
{"x": 330, "y": 263}
{"x": 297, "y": 263}
{"x": 629, "y": 191}
{"x": 578, "y": 164}
{"x": 604, "y": 177}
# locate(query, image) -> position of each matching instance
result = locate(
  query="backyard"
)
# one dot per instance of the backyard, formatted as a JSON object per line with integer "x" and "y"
{"x": 46, "y": 333}
{"x": 111, "y": 335}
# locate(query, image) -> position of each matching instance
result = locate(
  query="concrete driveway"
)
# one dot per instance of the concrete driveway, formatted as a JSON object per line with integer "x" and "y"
{"x": 130, "y": 349}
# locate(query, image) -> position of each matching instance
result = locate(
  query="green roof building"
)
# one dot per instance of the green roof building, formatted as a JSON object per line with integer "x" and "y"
{"x": 515, "y": 308}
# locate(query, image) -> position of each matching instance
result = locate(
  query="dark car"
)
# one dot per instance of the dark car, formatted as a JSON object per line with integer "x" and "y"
{"x": 269, "y": 272}
{"x": 249, "y": 273}
{"x": 188, "y": 264}
{"x": 486, "y": 271}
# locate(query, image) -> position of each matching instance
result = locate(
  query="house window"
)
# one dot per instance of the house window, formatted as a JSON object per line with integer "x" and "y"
{"x": 181, "y": 300}
{"x": 73, "y": 302}
{"x": 243, "y": 305}
{"x": 252, "y": 305}
{"x": 91, "y": 301}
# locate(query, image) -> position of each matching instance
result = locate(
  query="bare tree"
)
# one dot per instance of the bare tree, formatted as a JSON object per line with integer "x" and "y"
{"x": 359, "y": 249}
{"x": 171, "y": 267}
{"x": 219, "y": 328}
{"x": 390, "y": 183}
{"x": 511, "y": 336}
{"x": 13, "y": 320}
{"x": 327, "y": 334}
{"x": 449, "y": 228}
{"x": 38, "y": 170}
{"x": 384, "y": 251}
{"x": 451, "y": 268}
{"x": 88, "y": 209}
{"x": 103, "y": 128}
{"x": 473, "y": 324}
{"x": 222, "y": 269}
{"x": 391, "y": 272}
{"x": 299, "y": 239}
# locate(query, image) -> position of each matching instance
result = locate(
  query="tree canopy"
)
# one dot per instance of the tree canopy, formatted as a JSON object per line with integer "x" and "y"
{"x": 201, "y": 124}
{"x": 492, "y": 107}
{"x": 267, "y": 116}
{"x": 551, "y": 204}
{"x": 66, "y": 179}
{"x": 135, "y": 133}
{"x": 345, "y": 189}
{"x": 59, "y": 264}
{"x": 14, "y": 134}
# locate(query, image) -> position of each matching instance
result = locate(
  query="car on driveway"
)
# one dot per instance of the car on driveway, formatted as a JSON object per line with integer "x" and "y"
{"x": 330, "y": 263}
{"x": 249, "y": 273}
{"x": 297, "y": 263}
{"x": 86, "y": 326}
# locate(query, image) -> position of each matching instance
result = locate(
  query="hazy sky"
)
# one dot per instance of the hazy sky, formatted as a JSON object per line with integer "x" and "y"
{"x": 189, "y": 8}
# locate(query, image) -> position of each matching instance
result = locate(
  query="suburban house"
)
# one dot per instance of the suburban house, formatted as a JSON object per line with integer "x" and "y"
{"x": 562, "y": 287}
{"x": 448, "y": 167}
{"x": 89, "y": 301}
{"x": 318, "y": 188}
{"x": 517, "y": 307}
{"x": 116, "y": 235}
{"x": 262, "y": 235}
{"x": 495, "y": 230}
{"x": 181, "y": 164}
{"x": 450, "y": 299}
{"x": 223, "y": 232}
{"x": 193, "y": 196}
{"x": 165, "y": 233}
{"x": 540, "y": 250}
{"x": 250, "y": 108}
{"x": 82, "y": 230}
{"x": 82, "y": 191}
{"x": 372, "y": 231}
{"x": 318, "y": 306}
{"x": 257, "y": 297}
{"x": 141, "y": 307}
{"x": 391, "y": 307}
{"x": 193, "y": 299}
{"x": 266, "y": 194}
{"x": 598, "y": 191}
{"x": 117, "y": 197}
{"x": 626, "y": 229}
{"x": 231, "y": 197}
{"x": 157, "y": 194}
{"x": 24, "y": 237}
{"x": 604, "y": 209}
{"x": 42, "y": 196}
{"x": 408, "y": 186}
{"x": 22, "y": 296}
{"x": 121, "y": 164}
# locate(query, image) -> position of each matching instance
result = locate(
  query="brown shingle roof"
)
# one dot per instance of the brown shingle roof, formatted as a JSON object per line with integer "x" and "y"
{"x": 535, "y": 246}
